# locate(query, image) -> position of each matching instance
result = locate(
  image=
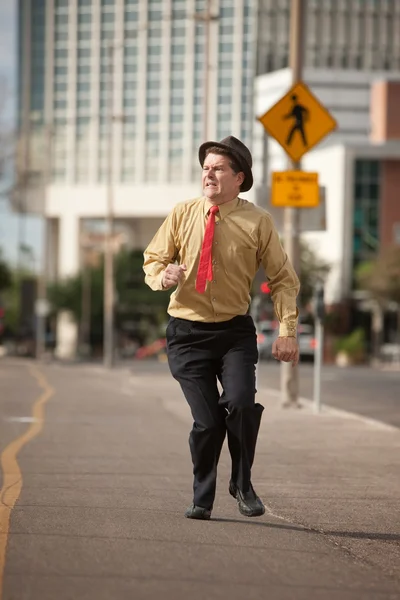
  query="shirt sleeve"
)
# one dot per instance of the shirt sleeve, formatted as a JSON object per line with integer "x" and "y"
{"x": 282, "y": 278}
{"x": 161, "y": 252}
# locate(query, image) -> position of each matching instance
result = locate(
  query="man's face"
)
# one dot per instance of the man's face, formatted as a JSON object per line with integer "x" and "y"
{"x": 220, "y": 183}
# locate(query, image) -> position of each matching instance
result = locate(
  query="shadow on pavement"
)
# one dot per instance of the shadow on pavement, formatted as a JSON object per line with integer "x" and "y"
{"x": 344, "y": 534}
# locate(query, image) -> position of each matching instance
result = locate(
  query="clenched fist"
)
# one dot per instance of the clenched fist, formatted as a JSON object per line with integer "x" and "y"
{"x": 286, "y": 349}
{"x": 172, "y": 275}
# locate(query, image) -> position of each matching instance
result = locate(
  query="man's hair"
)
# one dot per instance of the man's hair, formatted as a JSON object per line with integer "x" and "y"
{"x": 234, "y": 165}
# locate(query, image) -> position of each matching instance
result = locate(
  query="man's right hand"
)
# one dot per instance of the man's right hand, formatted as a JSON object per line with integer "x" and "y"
{"x": 172, "y": 275}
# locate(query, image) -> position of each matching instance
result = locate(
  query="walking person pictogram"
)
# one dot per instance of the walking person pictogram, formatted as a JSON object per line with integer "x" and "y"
{"x": 300, "y": 114}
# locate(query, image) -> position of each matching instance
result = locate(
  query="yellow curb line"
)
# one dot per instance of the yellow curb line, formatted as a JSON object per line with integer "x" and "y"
{"x": 12, "y": 476}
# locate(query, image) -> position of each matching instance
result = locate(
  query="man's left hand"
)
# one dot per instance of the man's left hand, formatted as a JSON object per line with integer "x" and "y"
{"x": 286, "y": 349}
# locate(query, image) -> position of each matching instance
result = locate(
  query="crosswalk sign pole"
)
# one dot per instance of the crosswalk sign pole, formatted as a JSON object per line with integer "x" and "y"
{"x": 289, "y": 374}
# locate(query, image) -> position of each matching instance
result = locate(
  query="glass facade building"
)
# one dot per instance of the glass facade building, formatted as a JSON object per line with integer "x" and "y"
{"x": 340, "y": 34}
{"x": 155, "y": 83}
{"x": 366, "y": 210}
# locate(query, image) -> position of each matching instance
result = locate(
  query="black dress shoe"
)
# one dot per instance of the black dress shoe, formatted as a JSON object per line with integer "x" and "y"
{"x": 198, "y": 512}
{"x": 249, "y": 504}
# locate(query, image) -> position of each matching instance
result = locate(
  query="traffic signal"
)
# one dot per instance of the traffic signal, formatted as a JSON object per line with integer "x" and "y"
{"x": 264, "y": 287}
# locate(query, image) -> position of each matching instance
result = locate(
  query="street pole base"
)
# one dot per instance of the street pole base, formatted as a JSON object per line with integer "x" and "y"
{"x": 290, "y": 404}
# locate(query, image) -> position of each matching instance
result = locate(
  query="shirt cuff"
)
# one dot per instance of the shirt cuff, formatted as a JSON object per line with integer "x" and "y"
{"x": 287, "y": 330}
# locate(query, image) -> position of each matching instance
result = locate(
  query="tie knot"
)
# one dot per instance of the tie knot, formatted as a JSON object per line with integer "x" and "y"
{"x": 214, "y": 210}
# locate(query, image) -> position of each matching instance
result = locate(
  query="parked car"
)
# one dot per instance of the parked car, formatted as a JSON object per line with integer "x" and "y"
{"x": 267, "y": 332}
{"x": 306, "y": 340}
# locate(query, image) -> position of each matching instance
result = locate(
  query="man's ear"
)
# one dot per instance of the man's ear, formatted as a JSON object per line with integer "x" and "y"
{"x": 240, "y": 177}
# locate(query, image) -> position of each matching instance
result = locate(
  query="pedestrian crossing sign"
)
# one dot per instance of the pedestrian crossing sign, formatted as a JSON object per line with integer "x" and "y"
{"x": 298, "y": 121}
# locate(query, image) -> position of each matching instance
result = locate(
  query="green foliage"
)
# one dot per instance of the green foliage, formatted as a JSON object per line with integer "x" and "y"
{"x": 5, "y": 275}
{"x": 313, "y": 270}
{"x": 381, "y": 277}
{"x": 11, "y": 302}
{"x": 353, "y": 345}
{"x": 135, "y": 301}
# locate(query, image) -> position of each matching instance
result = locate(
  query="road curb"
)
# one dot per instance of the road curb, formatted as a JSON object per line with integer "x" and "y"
{"x": 337, "y": 412}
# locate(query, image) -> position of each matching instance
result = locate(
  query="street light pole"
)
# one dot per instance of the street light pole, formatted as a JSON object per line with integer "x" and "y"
{"x": 109, "y": 292}
{"x": 207, "y": 22}
{"x": 206, "y": 17}
{"x": 289, "y": 374}
{"x": 42, "y": 303}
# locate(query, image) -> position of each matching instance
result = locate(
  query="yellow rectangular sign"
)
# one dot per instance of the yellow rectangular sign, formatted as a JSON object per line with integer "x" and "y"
{"x": 296, "y": 189}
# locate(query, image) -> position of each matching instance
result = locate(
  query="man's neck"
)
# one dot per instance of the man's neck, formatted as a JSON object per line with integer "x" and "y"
{"x": 219, "y": 201}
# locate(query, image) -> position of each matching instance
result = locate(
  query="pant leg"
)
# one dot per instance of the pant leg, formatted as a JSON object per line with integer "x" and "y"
{"x": 244, "y": 414}
{"x": 193, "y": 366}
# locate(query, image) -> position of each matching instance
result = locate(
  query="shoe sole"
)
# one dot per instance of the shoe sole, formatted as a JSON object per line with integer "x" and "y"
{"x": 242, "y": 511}
{"x": 258, "y": 513}
{"x": 202, "y": 518}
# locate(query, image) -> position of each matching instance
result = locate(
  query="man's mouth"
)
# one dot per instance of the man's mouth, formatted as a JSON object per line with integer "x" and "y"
{"x": 211, "y": 184}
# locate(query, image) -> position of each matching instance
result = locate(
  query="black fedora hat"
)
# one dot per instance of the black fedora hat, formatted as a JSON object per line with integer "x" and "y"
{"x": 239, "y": 152}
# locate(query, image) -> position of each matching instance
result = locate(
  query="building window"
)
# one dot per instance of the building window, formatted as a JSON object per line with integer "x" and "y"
{"x": 83, "y": 53}
{"x": 60, "y": 86}
{"x": 83, "y": 70}
{"x": 107, "y": 17}
{"x": 60, "y": 104}
{"x": 227, "y": 11}
{"x": 61, "y": 53}
{"x": 84, "y": 36}
{"x": 61, "y": 36}
{"x": 84, "y": 18}
{"x": 366, "y": 211}
{"x": 154, "y": 50}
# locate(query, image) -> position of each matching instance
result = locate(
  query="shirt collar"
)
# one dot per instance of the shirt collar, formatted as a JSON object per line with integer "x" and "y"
{"x": 224, "y": 209}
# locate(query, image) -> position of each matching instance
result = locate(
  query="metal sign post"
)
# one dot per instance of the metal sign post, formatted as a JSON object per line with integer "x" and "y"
{"x": 319, "y": 339}
{"x": 298, "y": 121}
{"x": 319, "y": 311}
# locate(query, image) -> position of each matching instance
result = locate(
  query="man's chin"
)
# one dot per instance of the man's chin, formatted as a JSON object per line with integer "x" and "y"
{"x": 210, "y": 193}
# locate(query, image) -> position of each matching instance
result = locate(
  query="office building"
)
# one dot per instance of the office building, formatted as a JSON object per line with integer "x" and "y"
{"x": 160, "y": 64}
{"x": 361, "y": 35}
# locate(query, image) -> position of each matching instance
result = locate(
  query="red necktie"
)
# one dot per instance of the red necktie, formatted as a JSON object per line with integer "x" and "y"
{"x": 204, "y": 272}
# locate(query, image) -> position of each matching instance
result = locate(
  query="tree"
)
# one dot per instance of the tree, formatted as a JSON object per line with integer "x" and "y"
{"x": 313, "y": 270}
{"x": 135, "y": 303}
{"x": 381, "y": 278}
{"x": 5, "y": 275}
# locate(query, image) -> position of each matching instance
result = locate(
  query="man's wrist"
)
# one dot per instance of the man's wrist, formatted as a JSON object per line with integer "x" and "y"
{"x": 288, "y": 330}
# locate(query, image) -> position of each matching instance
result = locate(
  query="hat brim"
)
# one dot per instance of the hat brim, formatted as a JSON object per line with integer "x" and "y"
{"x": 248, "y": 175}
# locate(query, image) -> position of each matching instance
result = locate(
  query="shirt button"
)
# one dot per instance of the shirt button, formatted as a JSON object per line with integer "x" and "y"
{"x": 214, "y": 299}
{"x": 214, "y": 262}
{"x": 217, "y": 314}
{"x": 215, "y": 243}
{"x": 213, "y": 281}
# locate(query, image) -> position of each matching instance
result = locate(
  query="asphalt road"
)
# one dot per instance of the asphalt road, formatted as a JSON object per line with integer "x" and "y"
{"x": 372, "y": 393}
{"x": 368, "y": 392}
{"x": 105, "y": 482}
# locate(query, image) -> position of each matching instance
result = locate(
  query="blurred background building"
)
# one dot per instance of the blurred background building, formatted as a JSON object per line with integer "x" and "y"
{"x": 359, "y": 35}
{"x": 146, "y": 81}
{"x": 352, "y": 64}
{"x": 181, "y": 70}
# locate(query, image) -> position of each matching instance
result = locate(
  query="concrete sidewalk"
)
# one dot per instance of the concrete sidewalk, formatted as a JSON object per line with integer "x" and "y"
{"x": 334, "y": 473}
{"x": 100, "y": 516}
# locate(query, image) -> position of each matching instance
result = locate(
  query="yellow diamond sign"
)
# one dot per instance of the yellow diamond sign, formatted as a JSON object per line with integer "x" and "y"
{"x": 297, "y": 189}
{"x": 298, "y": 121}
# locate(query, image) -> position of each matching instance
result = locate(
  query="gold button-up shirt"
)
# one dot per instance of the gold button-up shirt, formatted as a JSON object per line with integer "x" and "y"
{"x": 244, "y": 239}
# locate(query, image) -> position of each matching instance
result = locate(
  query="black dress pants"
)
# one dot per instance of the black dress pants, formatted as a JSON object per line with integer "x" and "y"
{"x": 200, "y": 354}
